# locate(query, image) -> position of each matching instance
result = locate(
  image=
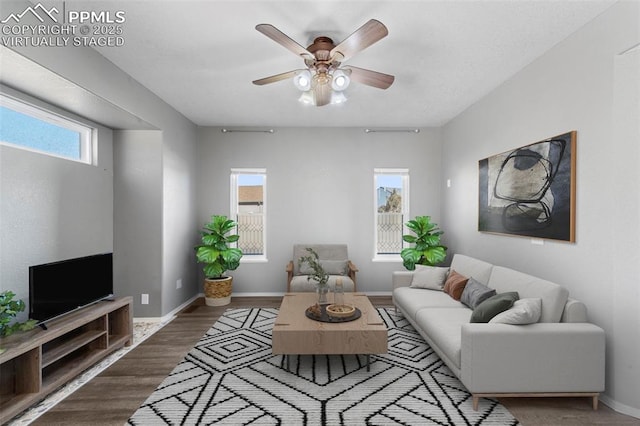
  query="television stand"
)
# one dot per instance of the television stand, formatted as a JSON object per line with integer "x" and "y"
{"x": 37, "y": 362}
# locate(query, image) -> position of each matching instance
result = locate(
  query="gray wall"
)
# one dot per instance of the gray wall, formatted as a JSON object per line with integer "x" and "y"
{"x": 52, "y": 209}
{"x": 138, "y": 234}
{"x": 173, "y": 189}
{"x": 319, "y": 190}
{"x": 582, "y": 84}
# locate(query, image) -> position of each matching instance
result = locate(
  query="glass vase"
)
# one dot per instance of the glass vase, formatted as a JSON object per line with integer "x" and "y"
{"x": 322, "y": 290}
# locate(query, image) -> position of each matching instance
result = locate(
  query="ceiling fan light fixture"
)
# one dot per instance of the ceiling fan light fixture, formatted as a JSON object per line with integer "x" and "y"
{"x": 321, "y": 79}
{"x": 338, "y": 98}
{"x": 340, "y": 80}
{"x": 302, "y": 80}
{"x": 306, "y": 98}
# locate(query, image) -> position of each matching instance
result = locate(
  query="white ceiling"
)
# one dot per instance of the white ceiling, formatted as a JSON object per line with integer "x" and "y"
{"x": 201, "y": 56}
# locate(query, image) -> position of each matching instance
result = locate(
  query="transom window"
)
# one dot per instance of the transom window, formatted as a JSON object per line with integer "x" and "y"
{"x": 34, "y": 129}
{"x": 248, "y": 208}
{"x": 391, "y": 208}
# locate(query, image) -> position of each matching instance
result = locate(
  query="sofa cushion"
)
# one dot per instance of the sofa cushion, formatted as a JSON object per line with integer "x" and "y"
{"x": 411, "y": 300}
{"x": 454, "y": 285}
{"x": 493, "y": 306}
{"x": 523, "y": 311}
{"x": 444, "y": 327}
{"x": 471, "y": 267}
{"x": 553, "y": 296}
{"x": 475, "y": 292}
{"x": 431, "y": 277}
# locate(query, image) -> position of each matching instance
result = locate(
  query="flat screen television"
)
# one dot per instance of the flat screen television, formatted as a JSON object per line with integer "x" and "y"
{"x": 60, "y": 287}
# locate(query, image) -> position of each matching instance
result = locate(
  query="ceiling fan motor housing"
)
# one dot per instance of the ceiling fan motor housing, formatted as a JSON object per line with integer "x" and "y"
{"x": 321, "y": 49}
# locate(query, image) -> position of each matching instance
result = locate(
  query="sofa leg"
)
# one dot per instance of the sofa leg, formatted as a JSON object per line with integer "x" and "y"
{"x": 476, "y": 400}
{"x": 595, "y": 402}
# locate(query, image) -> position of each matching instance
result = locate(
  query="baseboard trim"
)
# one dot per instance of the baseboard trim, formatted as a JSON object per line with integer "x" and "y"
{"x": 281, "y": 293}
{"x": 171, "y": 315}
{"x": 620, "y": 408}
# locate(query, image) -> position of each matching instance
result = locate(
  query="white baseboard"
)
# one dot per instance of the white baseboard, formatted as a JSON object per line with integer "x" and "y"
{"x": 170, "y": 315}
{"x": 620, "y": 408}
{"x": 278, "y": 294}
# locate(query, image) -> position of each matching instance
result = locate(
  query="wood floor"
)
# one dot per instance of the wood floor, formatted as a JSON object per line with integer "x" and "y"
{"x": 113, "y": 396}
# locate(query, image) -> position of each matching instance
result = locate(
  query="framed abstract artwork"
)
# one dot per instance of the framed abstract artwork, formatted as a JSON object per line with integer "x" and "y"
{"x": 530, "y": 191}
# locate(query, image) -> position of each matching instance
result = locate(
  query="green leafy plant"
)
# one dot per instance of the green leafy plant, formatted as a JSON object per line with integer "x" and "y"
{"x": 427, "y": 249}
{"x": 318, "y": 274}
{"x": 214, "y": 251}
{"x": 9, "y": 308}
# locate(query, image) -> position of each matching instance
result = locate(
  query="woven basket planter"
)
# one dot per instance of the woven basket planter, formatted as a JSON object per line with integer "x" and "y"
{"x": 217, "y": 292}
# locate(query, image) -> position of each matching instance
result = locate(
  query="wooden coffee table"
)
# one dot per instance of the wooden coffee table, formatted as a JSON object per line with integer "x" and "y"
{"x": 295, "y": 334}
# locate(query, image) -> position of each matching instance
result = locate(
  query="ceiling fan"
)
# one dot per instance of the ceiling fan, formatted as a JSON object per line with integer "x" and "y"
{"x": 324, "y": 79}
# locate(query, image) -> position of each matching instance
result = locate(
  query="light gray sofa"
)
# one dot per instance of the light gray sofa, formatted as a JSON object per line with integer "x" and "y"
{"x": 335, "y": 260}
{"x": 561, "y": 355}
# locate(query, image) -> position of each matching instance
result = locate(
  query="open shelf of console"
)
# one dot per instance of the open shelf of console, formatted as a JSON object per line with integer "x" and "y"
{"x": 38, "y": 362}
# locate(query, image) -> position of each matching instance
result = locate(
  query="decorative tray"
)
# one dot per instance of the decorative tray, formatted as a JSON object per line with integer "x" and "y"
{"x": 322, "y": 316}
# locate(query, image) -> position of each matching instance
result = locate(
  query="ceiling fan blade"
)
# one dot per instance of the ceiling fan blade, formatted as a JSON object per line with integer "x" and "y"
{"x": 360, "y": 39}
{"x": 274, "y": 78}
{"x": 370, "y": 78}
{"x": 281, "y": 38}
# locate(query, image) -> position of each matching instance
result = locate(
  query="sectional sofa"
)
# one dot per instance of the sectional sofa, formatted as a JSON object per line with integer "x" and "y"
{"x": 542, "y": 344}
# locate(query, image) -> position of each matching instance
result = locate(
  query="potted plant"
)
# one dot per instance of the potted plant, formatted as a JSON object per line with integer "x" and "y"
{"x": 427, "y": 249}
{"x": 218, "y": 258}
{"x": 315, "y": 272}
{"x": 9, "y": 308}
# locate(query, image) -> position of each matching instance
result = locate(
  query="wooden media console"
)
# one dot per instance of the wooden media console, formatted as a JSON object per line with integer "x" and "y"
{"x": 37, "y": 362}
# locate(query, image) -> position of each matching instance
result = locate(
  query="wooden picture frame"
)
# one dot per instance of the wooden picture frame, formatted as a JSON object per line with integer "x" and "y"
{"x": 530, "y": 191}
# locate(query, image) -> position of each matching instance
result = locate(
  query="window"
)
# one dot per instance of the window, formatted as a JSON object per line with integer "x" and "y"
{"x": 391, "y": 207}
{"x": 249, "y": 207}
{"x": 28, "y": 127}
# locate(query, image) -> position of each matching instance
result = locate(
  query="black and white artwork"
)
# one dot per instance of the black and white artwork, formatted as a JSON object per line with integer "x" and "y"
{"x": 530, "y": 191}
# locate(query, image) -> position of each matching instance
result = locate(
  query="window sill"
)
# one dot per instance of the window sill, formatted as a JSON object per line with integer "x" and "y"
{"x": 253, "y": 259}
{"x": 387, "y": 258}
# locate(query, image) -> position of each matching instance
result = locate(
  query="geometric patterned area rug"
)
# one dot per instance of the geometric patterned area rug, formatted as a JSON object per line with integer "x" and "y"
{"x": 230, "y": 377}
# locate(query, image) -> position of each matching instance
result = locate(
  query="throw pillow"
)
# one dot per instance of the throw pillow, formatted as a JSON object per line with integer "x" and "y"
{"x": 493, "y": 306}
{"x": 431, "y": 277}
{"x": 524, "y": 311}
{"x": 475, "y": 293}
{"x": 454, "y": 285}
{"x": 334, "y": 267}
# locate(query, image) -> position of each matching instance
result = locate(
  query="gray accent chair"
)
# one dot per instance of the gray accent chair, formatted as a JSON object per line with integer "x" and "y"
{"x": 335, "y": 260}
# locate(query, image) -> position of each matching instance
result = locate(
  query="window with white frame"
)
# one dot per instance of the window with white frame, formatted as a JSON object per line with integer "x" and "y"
{"x": 25, "y": 126}
{"x": 391, "y": 209}
{"x": 249, "y": 210}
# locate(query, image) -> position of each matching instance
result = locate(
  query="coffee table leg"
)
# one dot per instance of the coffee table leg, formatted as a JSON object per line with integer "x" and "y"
{"x": 368, "y": 362}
